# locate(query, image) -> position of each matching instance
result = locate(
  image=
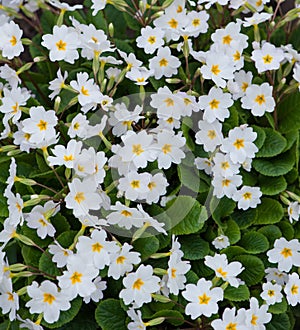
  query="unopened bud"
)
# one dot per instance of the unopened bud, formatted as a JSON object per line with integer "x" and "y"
{"x": 111, "y": 29}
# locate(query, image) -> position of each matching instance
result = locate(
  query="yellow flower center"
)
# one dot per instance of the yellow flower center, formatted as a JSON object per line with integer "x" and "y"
{"x": 244, "y": 86}
{"x": 225, "y": 182}
{"x": 169, "y": 102}
{"x": 237, "y": 56}
{"x": 271, "y": 293}
{"x": 151, "y": 185}
{"x": 48, "y": 298}
{"x": 239, "y": 143}
{"x": 140, "y": 80}
{"x": 294, "y": 289}
{"x": 286, "y": 252}
{"x": 247, "y": 195}
{"x": 84, "y": 91}
{"x": 211, "y": 134}
{"x": 42, "y": 125}
{"x": 68, "y": 158}
{"x": 215, "y": 69}
{"x": 227, "y": 40}
{"x": 225, "y": 165}
{"x": 10, "y": 296}
{"x": 204, "y": 299}
{"x": 43, "y": 222}
{"x": 135, "y": 184}
{"x": 120, "y": 260}
{"x": 214, "y": 104}
{"x": 163, "y": 62}
{"x": 19, "y": 207}
{"x": 15, "y": 108}
{"x": 137, "y": 149}
{"x": 173, "y": 23}
{"x": 97, "y": 247}
{"x": 126, "y": 213}
{"x": 221, "y": 272}
{"x": 79, "y": 197}
{"x": 231, "y": 326}
{"x": 152, "y": 40}
{"x": 196, "y": 22}
{"x": 61, "y": 45}
{"x": 138, "y": 284}
{"x": 173, "y": 272}
{"x": 166, "y": 148}
{"x": 76, "y": 126}
{"x": 13, "y": 41}
{"x": 76, "y": 278}
{"x": 258, "y": 3}
{"x": 260, "y": 99}
{"x": 267, "y": 59}
{"x": 254, "y": 319}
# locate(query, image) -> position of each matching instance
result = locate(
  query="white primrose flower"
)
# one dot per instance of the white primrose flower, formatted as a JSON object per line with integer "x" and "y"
{"x": 15, "y": 208}
{"x": 139, "y": 75}
{"x": 268, "y": 57}
{"x": 275, "y": 275}
{"x": 203, "y": 163}
{"x": 196, "y": 23}
{"x": 221, "y": 242}
{"x": 259, "y": 99}
{"x": 150, "y": 39}
{"x": 294, "y": 211}
{"x": 156, "y": 188}
{"x": 151, "y": 222}
{"x": 122, "y": 261}
{"x": 256, "y": 316}
{"x": 136, "y": 318}
{"x": 226, "y": 186}
{"x": 65, "y": 156}
{"x": 57, "y": 84}
{"x": 9, "y": 300}
{"x": 78, "y": 278}
{"x": 78, "y": 126}
{"x": 256, "y": 19}
{"x": 223, "y": 269}
{"x": 98, "y": 5}
{"x": 60, "y": 254}
{"x": 10, "y": 75}
{"x": 164, "y": 64}
{"x": 97, "y": 295}
{"x": 134, "y": 185}
{"x": 247, "y": 197}
{"x": 168, "y": 148}
{"x": 285, "y": 253}
{"x": 96, "y": 248}
{"x": 63, "y": 44}
{"x": 46, "y": 299}
{"x": 28, "y": 324}
{"x": 243, "y": 80}
{"x": 215, "y": 105}
{"x": 40, "y": 125}
{"x": 296, "y": 74}
{"x": 271, "y": 293}
{"x": 82, "y": 197}
{"x": 218, "y": 68}
{"x": 209, "y": 135}
{"x": 10, "y": 40}
{"x": 223, "y": 166}
{"x": 239, "y": 144}
{"x": 203, "y": 300}
{"x": 130, "y": 59}
{"x": 229, "y": 320}
{"x": 139, "y": 286}
{"x": 292, "y": 289}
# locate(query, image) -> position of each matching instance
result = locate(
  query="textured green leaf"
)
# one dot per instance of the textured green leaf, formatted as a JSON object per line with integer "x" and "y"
{"x": 173, "y": 317}
{"x": 146, "y": 246}
{"x": 269, "y": 211}
{"x": 66, "y": 316}
{"x": 60, "y": 223}
{"x": 110, "y": 315}
{"x": 288, "y": 115}
{"x": 189, "y": 177}
{"x": 254, "y": 269}
{"x": 233, "y": 251}
{"x": 237, "y": 294}
{"x": 272, "y": 232}
{"x": 272, "y": 187}
{"x": 188, "y": 215}
{"x": 194, "y": 247}
{"x": 244, "y": 219}
{"x": 47, "y": 266}
{"x": 273, "y": 145}
{"x": 279, "y": 322}
{"x": 221, "y": 208}
{"x": 261, "y": 136}
{"x": 287, "y": 229}
{"x": 276, "y": 166}
{"x": 278, "y": 308}
{"x": 254, "y": 242}
{"x": 232, "y": 231}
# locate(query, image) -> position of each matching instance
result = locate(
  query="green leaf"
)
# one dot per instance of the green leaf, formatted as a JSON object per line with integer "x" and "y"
{"x": 273, "y": 145}
{"x": 66, "y": 239}
{"x": 254, "y": 242}
{"x": 146, "y": 246}
{"x": 233, "y": 251}
{"x": 278, "y": 308}
{"x": 60, "y": 223}
{"x": 124, "y": 46}
{"x": 173, "y": 317}
{"x": 244, "y": 219}
{"x": 276, "y": 166}
{"x": 254, "y": 270}
{"x": 194, "y": 247}
{"x": 261, "y": 136}
{"x": 275, "y": 187}
{"x": 47, "y": 266}
{"x": 110, "y": 315}
{"x": 269, "y": 211}
{"x": 288, "y": 116}
{"x": 31, "y": 233}
{"x": 3, "y": 207}
{"x": 232, "y": 231}
{"x": 65, "y": 316}
{"x": 272, "y": 232}
{"x": 187, "y": 215}
{"x": 189, "y": 177}
{"x": 221, "y": 208}
{"x": 31, "y": 255}
{"x": 191, "y": 277}
{"x": 241, "y": 293}
{"x": 279, "y": 322}
{"x": 287, "y": 230}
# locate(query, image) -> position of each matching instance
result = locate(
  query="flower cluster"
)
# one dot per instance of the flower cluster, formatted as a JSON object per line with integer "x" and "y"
{"x": 149, "y": 155}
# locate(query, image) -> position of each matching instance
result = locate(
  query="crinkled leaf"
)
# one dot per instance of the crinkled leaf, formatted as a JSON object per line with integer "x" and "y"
{"x": 254, "y": 242}
{"x": 278, "y": 308}
{"x": 232, "y": 231}
{"x": 272, "y": 232}
{"x": 273, "y": 145}
{"x": 194, "y": 247}
{"x": 261, "y": 136}
{"x": 254, "y": 269}
{"x": 110, "y": 315}
{"x": 279, "y": 322}
{"x": 237, "y": 294}
{"x": 276, "y": 186}
{"x": 146, "y": 246}
{"x": 244, "y": 219}
{"x": 173, "y": 317}
{"x": 288, "y": 116}
{"x": 269, "y": 211}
